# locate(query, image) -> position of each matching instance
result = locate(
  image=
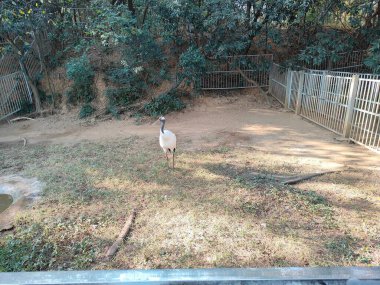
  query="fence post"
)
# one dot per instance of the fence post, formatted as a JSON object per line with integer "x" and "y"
{"x": 288, "y": 88}
{"x": 299, "y": 94}
{"x": 270, "y": 76}
{"x": 350, "y": 105}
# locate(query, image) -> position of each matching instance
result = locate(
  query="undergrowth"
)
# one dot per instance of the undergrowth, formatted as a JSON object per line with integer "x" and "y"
{"x": 36, "y": 248}
{"x": 164, "y": 104}
{"x": 80, "y": 71}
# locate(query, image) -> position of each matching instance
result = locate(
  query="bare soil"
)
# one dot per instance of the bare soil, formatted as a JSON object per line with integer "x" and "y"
{"x": 246, "y": 120}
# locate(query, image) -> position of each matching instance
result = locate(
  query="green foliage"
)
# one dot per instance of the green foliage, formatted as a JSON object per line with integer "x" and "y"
{"x": 373, "y": 60}
{"x": 31, "y": 252}
{"x": 80, "y": 71}
{"x": 164, "y": 104}
{"x": 193, "y": 64}
{"x": 26, "y": 107}
{"x": 120, "y": 97}
{"x": 86, "y": 110}
{"x": 328, "y": 45}
{"x": 342, "y": 247}
{"x": 37, "y": 248}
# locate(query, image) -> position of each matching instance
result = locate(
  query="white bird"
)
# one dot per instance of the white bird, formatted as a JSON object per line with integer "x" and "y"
{"x": 168, "y": 140}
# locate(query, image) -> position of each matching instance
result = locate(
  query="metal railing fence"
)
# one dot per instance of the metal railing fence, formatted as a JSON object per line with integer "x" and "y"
{"x": 345, "y": 103}
{"x": 365, "y": 127}
{"x": 240, "y": 71}
{"x": 251, "y": 276}
{"x": 14, "y": 88}
{"x": 347, "y": 61}
{"x": 14, "y": 94}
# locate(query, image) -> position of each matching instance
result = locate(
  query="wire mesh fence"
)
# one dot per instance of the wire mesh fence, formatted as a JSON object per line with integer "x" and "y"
{"x": 347, "y": 61}
{"x": 240, "y": 71}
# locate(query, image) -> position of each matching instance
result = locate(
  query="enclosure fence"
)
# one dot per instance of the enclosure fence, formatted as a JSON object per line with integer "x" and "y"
{"x": 15, "y": 91}
{"x": 234, "y": 72}
{"x": 347, "y": 61}
{"x": 345, "y": 103}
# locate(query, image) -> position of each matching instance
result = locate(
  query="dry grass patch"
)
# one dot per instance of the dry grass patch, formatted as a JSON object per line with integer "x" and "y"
{"x": 208, "y": 212}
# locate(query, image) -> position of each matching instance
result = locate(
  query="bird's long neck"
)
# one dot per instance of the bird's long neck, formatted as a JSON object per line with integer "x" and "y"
{"x": 162, "y": 126}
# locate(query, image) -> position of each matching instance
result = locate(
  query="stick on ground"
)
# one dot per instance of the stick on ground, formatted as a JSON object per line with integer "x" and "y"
{"x": 296, "y": 179}
{"x": 290, "y": 180}
{"x": 127, "y": 226}
{"x": 20, "y": 118}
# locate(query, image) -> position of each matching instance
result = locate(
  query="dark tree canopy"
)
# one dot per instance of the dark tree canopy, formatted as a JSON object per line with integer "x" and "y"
{"x": 155, "y": 37}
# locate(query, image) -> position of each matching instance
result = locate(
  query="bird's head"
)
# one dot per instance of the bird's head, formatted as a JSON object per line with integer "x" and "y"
{"x": 162, "y": 119}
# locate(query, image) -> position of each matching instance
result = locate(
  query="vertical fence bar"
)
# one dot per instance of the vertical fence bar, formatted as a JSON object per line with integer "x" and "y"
{"x": 288, "y": 88}
{"x": 299, "y": 92}
{"x": 350, "y": 107}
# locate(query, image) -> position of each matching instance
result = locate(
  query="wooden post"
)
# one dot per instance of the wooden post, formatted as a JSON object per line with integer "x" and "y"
{"x": 288, "y": 88}
{"x": 299, "y": 94}
{"x": 350, "y": 105}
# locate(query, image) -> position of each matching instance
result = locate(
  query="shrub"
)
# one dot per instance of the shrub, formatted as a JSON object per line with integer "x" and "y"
{"x": 26, "y": 107}
{"x": 373, "y": 60}
{"x": 120, "y": 97}
{"x": 86, "y": 110}
{"x": 80, "y": 71}
{"x": 193, "y": 64}
{"x": 164, "y": 104}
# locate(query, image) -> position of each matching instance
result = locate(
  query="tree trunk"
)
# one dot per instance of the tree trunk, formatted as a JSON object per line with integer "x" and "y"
{"x": 36, "y": 94}
{"x": 144, "y": 14}
{"x": 248, "y": 13}
{"x": 131, "y": 7}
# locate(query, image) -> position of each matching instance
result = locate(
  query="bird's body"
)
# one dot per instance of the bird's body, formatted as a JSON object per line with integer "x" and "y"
{"x": 168, "y": 140}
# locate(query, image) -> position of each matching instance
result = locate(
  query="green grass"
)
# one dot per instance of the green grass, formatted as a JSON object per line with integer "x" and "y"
{"x": 207, "y": 212}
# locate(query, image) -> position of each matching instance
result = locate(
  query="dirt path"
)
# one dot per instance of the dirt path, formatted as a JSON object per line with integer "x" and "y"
{"x": 211, "y": 122}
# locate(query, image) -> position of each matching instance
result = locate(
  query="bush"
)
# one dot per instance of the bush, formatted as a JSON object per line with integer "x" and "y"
{"x": 120, "y": 97}
{"x": 373, "y": 60}
{"x": 86, "y": 110}
{"x": 193, "y": 64}
{"x": 26, "y": 107}
{"x": 164, "y": 104}
{"x": 80, "y": 71}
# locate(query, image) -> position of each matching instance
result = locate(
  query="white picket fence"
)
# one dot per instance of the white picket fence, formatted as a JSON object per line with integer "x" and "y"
{"x": 345, "y": 103}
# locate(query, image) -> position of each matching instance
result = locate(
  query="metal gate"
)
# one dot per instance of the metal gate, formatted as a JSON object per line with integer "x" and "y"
{"x": 14, "y": 94}
{"x": 239, "y": 71}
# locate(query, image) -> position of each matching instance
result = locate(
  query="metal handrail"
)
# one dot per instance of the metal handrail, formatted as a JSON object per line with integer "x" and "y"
{"x": 334, "y": 275}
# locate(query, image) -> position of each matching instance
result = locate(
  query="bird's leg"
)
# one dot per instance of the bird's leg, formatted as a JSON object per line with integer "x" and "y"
{"x": 167, "y": 157}
{"x": 173, "y": 157}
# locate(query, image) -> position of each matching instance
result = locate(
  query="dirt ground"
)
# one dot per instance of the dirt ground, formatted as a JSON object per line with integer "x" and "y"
{"x": 244, "y": 120}
{"x": 211, "y": 211}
